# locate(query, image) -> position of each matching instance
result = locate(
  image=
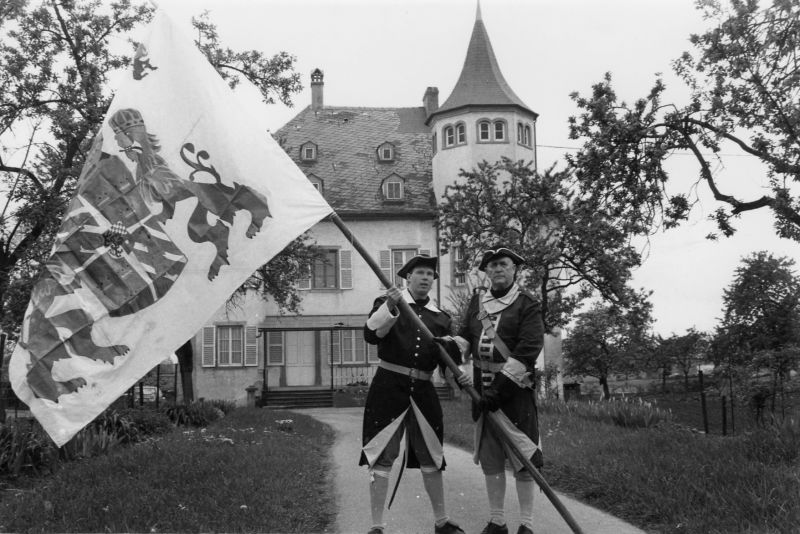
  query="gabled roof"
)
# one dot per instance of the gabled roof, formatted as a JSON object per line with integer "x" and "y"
{"x": 481, "y": 83}
{"x": 347, "y": 163}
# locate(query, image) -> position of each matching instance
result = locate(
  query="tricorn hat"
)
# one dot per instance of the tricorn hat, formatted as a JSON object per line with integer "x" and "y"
{"x": 499, "y": 252}
{"x": 420, "y": 260}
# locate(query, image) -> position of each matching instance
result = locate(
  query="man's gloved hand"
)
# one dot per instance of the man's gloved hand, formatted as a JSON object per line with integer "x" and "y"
{"x": 500, "y": 392}
{"x": 450, "y": 346}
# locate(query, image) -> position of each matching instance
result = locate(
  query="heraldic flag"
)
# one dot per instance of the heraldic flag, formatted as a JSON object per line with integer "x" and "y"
{"x": 182, "y": 197}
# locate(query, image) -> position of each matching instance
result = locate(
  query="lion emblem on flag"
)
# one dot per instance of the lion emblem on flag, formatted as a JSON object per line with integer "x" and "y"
{"x": 112, "y": 242}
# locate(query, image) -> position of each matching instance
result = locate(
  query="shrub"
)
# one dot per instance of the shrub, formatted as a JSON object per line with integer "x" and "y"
{"x": 194, "y": 414}
{"x": 25, "y": 450}
{"x": 148, "y": 422}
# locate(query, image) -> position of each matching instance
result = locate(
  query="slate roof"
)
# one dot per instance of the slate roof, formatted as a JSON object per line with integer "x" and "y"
{"x": 347, "y": 163}
{"x": 481, "y": 83}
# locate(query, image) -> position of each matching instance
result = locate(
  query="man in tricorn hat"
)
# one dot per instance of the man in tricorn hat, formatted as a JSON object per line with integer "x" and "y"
{"x": 504, "y": 331}
{"x": 402, "y": 400}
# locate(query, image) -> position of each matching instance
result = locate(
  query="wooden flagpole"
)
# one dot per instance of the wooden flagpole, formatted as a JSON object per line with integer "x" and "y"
{"x": 448, "y": 361}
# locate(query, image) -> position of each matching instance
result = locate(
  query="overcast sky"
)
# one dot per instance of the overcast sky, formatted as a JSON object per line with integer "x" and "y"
{"x": 386, "y": 52}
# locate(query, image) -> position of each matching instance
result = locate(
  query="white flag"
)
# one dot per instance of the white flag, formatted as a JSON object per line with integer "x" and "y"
{"x": 182, "y": 197}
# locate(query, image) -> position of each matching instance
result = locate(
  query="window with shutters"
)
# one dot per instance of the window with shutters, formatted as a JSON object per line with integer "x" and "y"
{"x": 230, "y": 346}
{"x": 331, "y": 269}
{"x": 324, "y": 272}
{"x": 275, "y": 348}
{"x": 392, "y": 260}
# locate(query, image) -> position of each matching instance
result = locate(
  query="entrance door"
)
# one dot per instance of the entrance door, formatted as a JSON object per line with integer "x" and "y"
{"x": 300, "y": 359}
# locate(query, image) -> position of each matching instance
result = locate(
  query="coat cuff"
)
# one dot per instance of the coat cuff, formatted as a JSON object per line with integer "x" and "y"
{"x": 463, "y": 346}
{"x": 382, "y": 320}
{"x": 516, "y": 371}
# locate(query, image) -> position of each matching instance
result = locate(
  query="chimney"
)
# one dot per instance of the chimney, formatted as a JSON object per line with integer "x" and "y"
{"x": 316, "y": 89}
{"x": 431, "y": 100}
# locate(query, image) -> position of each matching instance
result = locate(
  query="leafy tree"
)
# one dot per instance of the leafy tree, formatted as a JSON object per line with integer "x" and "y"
{"x": 761, "y": 317}
{"x": 684, "y": 352}
{"x": 573, "y": 244}
{"x": 55, "y": 62}
{"x": 743, "y": 77}
{"x": 608, "y": 339}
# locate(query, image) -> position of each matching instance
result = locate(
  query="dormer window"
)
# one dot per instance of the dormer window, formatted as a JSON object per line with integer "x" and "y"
{"x": 308, "y": 151}
{"x": 386, "y": 152}
{"x": 393, "y": 188}
{"x": 317, "y": 183}
{"x": 492, "y": 131}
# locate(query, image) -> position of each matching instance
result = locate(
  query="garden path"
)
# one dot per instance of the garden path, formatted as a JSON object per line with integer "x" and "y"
{"x": 464, "y": 492}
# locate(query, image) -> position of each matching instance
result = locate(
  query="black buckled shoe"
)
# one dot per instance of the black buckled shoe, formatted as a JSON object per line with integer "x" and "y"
{"x": 375, "y": 530}
{"x": 524, "y": 530}
{"x": 494, "y": 528}
{"x": 448, "y": 528}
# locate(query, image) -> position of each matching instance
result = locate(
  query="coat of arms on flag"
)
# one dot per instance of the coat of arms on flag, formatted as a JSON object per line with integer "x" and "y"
{"x": 180, "y": 200}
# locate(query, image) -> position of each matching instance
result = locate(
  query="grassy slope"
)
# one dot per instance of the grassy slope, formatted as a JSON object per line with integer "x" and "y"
{"x": 664, "y": 480}
{"x": 245, "y": 473}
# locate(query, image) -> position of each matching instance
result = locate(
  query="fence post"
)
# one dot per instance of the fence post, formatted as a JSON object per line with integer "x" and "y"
{"x": 703, "y": 401}
{"x": 724, "y": 416}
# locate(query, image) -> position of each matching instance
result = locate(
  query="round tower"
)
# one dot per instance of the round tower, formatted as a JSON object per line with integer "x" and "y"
{"x": 482, "y": 119}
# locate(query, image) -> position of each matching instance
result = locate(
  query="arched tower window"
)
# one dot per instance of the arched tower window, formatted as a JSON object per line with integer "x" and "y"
{"x": 484, "y": 131}
{"x": 461, "y": 133}
{"x": 449, "y": 136}
{"x": 499, "y": 130}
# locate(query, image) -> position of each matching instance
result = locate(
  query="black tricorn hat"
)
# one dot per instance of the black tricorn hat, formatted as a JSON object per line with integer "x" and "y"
{"x": 499, "y": 252}
{"x": 420, "y": 260}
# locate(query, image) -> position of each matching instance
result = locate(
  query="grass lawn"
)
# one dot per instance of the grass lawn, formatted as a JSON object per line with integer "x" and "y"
{"x": 247, "y": 472}
{"x": 667, "y": 480}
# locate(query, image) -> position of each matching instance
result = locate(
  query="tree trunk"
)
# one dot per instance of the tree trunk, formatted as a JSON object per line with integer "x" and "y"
{"x": 604, "y": 383}
{"x": 664, "y": 380}
{"x": 185, "y": 356}
{"x": 686, "y": 380}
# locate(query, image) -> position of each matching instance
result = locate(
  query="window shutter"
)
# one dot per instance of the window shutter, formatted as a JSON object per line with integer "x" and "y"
{"x": 346, "y": 269}
{"x": 250, "y": 346}
{"x": 305, "y": 283}
{"x": 209, "y": 341}
{"x": 385, "y": 261}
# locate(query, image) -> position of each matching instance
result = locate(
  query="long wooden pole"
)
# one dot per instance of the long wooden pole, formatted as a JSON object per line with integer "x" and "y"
{"x": 448, "y": 361}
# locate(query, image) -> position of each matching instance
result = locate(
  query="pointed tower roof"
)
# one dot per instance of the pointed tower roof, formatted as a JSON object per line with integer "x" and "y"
{"x": 481, "y": 83}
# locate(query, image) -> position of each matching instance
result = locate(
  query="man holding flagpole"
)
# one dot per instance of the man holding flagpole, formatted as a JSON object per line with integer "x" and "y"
{"x": 402, "y": 401}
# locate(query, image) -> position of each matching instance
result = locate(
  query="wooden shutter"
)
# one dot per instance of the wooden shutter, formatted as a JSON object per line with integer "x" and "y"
{"x": 346, "y": 269}
{"x": 251, "y": 346}
{"x": 209, "y": 342}
{"x": 385, "y": 262}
